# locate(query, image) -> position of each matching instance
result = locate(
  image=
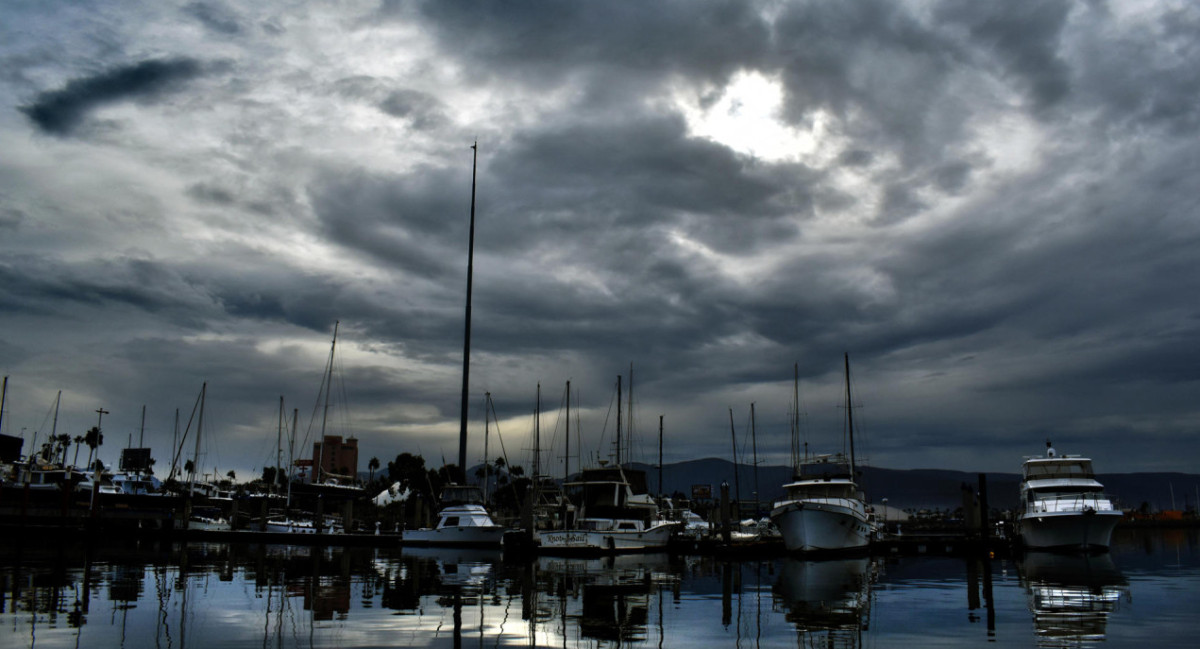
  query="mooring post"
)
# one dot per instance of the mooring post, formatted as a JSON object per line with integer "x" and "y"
{"x": 983, "y": 512}
{"x": 726, "y": 532}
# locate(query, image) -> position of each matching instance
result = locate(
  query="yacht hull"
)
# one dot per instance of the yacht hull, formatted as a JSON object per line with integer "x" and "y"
{"x": 822, "y": 526}
{"x": 1068, "y": 530}
{"x": 473, "y": 536}
{"x": 653, "y": 538}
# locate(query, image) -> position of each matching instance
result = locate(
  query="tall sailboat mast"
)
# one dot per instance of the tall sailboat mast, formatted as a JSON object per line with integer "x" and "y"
{"x": 618, "y": 420}
{"x": 462, "y": 429}
{"x": 325, "y": 411}
{"x": 849, "y": 415}
{"x": 567, "y": 454}
{"x": 537, "y": 433}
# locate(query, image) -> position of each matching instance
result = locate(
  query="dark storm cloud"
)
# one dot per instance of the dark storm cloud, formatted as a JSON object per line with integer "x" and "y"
{"x": 59, "y": 112}
{"x": 543, "y": 42}
{"x": 404, "y": 221}
{"x": 206, "y": 193}
{"x": 1022, "y": 38}
{"x": 32, "y": 284}
{"x": 215, "y": 17}
{"x": 998, "y": 223}
{"x": 1143, "y": 76}
{"x": 637, "y": 176}
{"x": 421, "y": 110}
{"x": 11, "y": 218}
{"x": 873, "y": 61}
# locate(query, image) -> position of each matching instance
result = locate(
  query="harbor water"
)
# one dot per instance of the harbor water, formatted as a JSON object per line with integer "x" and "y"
{"x": 101, "y": 594}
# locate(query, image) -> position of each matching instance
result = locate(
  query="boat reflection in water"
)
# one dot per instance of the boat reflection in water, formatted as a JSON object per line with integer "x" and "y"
{"x": 828, "y": 601}
{"x": 607, "y": 599}
{"x": 1071, "y": 595}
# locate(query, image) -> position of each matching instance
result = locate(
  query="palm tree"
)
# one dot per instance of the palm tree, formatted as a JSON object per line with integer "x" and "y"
{"x": 373, "y": 464}
{"x": 94, "y": 438}
{"x": 189, "y": 467}
{"x": 78, "y": 440}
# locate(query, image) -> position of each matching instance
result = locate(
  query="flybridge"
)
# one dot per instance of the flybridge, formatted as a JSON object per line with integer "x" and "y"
{"x": 1065, "y": 467}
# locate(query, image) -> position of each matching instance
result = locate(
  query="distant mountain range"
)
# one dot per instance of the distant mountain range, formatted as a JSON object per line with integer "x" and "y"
{"x": 921, "y": 488}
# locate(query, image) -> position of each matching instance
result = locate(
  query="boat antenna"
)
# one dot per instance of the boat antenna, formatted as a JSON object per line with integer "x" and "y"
{"x": 462, "y": 429}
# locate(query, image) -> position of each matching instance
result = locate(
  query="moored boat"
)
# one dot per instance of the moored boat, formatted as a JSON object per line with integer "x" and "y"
{"x": 1063, "y": 505}
{"x": 612, "y": 515}
{"x": 462, "y": 521}
{"x": 823, "y": 509}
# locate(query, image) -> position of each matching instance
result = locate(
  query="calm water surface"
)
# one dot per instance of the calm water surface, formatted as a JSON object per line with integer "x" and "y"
{"x": 1146, "y": 592}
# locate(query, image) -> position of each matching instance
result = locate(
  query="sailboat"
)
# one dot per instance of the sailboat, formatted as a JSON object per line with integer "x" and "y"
{"x": 462, "y": 519}
{"x": 823, "y": 508}
{"x": 325, "y": 487}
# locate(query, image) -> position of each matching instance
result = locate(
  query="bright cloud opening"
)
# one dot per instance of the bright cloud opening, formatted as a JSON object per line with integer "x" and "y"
{"x": 746, "y": 119}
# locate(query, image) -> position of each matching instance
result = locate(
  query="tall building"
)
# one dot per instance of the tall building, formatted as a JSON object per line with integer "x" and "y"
{"x": 334, "y": 458}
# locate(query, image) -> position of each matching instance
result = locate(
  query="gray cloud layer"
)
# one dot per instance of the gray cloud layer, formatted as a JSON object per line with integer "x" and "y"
{"x": 993, "y": 214}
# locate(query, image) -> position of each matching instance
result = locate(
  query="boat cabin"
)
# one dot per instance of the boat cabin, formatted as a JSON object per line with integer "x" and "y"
{"x": 1052, "y": 468}
{"x": 457, "y": 494}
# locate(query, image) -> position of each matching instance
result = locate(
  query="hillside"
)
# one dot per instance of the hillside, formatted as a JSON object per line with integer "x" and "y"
{"x": 922, "y": 488}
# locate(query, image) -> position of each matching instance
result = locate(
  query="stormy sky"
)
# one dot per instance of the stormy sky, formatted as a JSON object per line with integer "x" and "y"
{"x": 991, "y": 207}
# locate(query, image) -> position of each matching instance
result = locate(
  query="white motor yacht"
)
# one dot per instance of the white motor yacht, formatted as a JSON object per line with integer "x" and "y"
{"x": 1063, "y": 505}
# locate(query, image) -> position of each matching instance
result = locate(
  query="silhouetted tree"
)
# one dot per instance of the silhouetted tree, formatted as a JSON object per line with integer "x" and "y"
{"x": 94, "y": 438}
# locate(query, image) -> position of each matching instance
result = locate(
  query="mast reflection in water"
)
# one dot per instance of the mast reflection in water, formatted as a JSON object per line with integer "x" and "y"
{"x": 175, "y": 596}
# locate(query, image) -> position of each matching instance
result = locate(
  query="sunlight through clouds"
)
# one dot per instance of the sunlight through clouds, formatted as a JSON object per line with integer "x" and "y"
{"x": 746, "y": 119}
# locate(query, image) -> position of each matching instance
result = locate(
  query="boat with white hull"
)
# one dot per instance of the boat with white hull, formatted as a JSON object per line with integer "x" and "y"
{"x": 462, "y": 521}
{"x": 823, "y": 509}
{"x": 1063, "y": 505}
{"x": 609, "y": 535}
{"x": 615, "y": 513}
{"x": 823, "y": 512}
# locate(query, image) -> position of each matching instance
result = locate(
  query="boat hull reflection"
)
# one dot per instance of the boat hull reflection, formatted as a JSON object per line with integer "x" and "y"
{"x": 1071, "y": 596}
{"x": 828, "y": 600}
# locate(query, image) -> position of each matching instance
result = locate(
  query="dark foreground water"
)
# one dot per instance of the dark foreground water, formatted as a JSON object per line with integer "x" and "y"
{"x": 1145, "y": 593}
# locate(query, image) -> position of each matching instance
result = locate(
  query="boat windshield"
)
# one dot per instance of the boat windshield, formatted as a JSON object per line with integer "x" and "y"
{"x": 462, "y": 494}
{"x": 1058, "y": 468}
{"x": 822, "y": 490}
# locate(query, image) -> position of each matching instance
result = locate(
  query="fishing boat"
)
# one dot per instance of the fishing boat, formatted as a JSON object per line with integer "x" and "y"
{"x": 823, "y": 509}
{"x": 613, "y": 511}
{"x": 1063, "y": 505}
{"x": 462, "y": 521}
